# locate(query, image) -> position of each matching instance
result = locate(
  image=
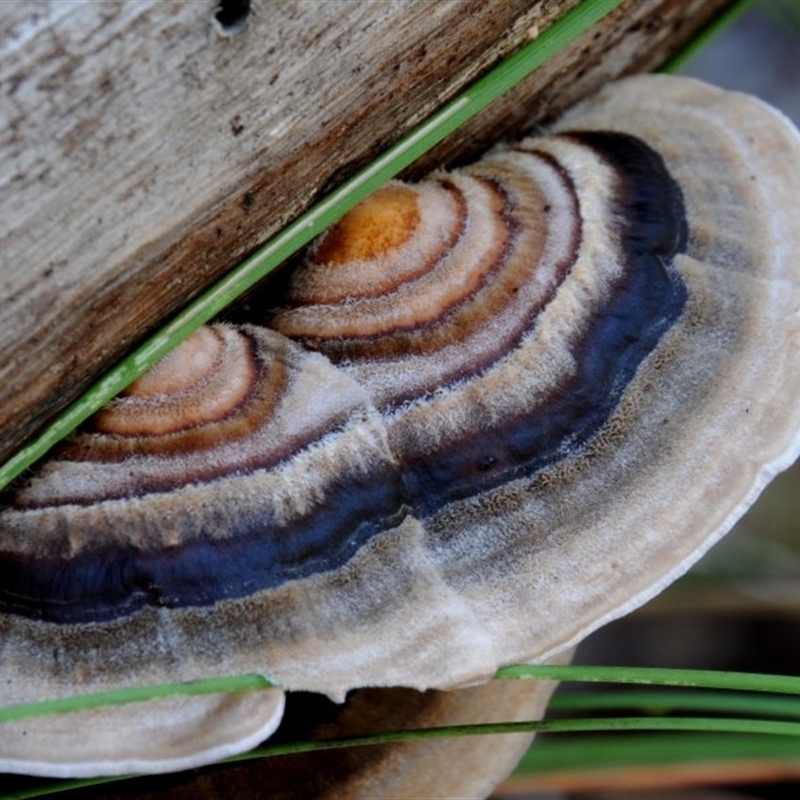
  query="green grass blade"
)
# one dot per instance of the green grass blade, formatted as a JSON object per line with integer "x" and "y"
{"x": 658, "y": 749}
{"x": 671, "y": 701}
{"x": 721, "y": 21}
{"x": 316, "y": 220}
{"x": 766, "y": 730}
{"x": 707, "y": 679}
{"x": 51, "y": 788}
{"x": 238, "y": 683}
{"x": 619, "y": 724}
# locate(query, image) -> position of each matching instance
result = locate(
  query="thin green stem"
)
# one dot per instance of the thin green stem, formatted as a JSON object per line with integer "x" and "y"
{"x": 670, "y": 701}
{"x": 713, "y": 724}
{"x": 61, "y": 786}
{"x": 721, "y": 21}
{"x": 707, "y": 679}
{"x": 614, "y": 724}
{"x": 136, "y": 694}
{"x": 591, "y": 752}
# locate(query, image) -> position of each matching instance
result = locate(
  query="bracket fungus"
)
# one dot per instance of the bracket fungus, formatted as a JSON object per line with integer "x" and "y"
{"x": 493, "y": 411}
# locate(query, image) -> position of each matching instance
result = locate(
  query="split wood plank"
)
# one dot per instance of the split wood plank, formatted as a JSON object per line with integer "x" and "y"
{"x": 143, "y": 154}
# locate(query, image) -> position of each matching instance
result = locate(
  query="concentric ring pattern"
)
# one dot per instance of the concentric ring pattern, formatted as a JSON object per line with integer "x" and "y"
{"x": 492, "y": 411}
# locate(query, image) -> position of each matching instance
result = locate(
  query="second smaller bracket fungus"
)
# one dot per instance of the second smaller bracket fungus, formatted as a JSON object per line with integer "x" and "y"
{"x": 492, "y": 412}
{"x": 154, "y": 736}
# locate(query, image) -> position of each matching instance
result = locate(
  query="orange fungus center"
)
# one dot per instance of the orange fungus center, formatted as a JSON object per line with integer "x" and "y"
{"x": 382, "y": 222}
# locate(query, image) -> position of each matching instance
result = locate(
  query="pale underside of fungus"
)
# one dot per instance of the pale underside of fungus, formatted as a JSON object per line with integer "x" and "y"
{"x": 493, "y": 411}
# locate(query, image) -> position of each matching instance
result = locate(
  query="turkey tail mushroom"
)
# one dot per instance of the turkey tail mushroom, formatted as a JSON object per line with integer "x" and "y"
{"x": 493, "y": 411}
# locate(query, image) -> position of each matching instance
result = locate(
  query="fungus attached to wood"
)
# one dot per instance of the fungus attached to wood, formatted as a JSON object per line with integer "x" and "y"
{"x": 492, "y": 412}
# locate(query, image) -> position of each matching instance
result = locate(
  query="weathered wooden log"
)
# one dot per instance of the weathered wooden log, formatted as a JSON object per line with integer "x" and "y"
{"x": 145, "y": 153}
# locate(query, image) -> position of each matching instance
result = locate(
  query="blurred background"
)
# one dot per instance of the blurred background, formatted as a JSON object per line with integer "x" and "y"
{"x": 739, "y": 608}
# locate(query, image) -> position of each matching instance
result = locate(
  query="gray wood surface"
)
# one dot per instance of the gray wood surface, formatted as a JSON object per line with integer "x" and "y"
{"x": 143, "y": 154}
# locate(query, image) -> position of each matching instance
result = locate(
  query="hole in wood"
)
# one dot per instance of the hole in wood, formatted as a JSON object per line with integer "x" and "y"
{"x": 230, "y": 15}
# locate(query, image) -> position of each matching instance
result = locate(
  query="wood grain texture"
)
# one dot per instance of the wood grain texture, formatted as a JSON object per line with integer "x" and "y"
{"x": 143, "y": 155}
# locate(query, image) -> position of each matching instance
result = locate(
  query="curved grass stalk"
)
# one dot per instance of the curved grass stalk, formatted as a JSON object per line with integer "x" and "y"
{"x": 137, "y": 694}
{"x": 670, "y": 701}
{"x": 728, "y": 16}
{"x": 750, "y": 727}
{"x": 713, "y": 724}
{"x": 651, "y": 676}
{"x": 572, "y": 755}
{"x": 707, "y": 679}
